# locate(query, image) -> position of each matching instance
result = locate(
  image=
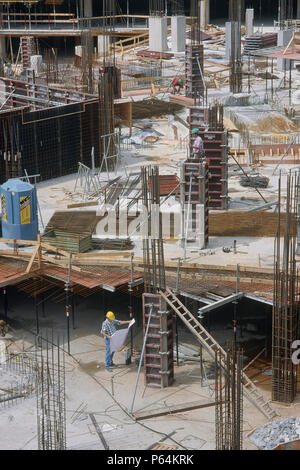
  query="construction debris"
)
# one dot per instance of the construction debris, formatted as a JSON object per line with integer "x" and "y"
{"x": 277, "y": 432}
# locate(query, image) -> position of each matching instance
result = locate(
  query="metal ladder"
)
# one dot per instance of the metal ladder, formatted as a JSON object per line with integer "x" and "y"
{"x": 211, "y": 346}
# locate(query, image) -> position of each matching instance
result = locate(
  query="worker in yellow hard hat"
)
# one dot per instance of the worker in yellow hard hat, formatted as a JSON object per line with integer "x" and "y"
{"x": 109, "y": 327}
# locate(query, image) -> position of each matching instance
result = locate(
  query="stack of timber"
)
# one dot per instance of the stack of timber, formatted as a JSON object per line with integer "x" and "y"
{"x": 71, "y": 242}
{"x": 113, "y": 244}
{"x": 250, "y": 224}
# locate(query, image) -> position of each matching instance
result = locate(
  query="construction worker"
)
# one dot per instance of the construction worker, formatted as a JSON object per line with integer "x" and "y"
{"x": 197, "y": 144}
{"x": 8, "y": 70}
{"x": 177, "y": 85}
{"x": 109, "y": 327}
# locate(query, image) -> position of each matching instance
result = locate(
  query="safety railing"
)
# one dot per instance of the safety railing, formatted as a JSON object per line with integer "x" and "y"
{"x": 146, "y": 82}
{"x": 32, "y": 21}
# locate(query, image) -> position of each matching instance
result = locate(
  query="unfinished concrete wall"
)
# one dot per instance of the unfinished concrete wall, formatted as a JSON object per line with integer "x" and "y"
{"x": 178, "y": 27}
{"x": 158, "y": 32}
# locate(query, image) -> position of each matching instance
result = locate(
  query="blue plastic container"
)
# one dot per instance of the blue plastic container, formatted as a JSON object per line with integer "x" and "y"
{"x": 19, "y": 210}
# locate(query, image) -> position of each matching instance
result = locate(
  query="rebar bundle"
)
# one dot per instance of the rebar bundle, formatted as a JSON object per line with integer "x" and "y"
{"x": 51, "y": 60}
{"x": 285, "y": 11}
{"x": 236, "y": 7}
{"x": 109, "y": 12}
{"x": 229, "y": 399}
{"x": 87, "y": 60}
{"x": 195, "y": 22}
{"x": 154, "y": 267}
{"x": 285, "y": 302}
{"x": 107, "y": 88}
{"x": 21, "y": 371}
{"x": 194, "y": 72}
{"x": 157, "y": 8}
{"x": 177, "y": 7}
{"x": 51, "y": 408}
{"x": 215, "y": 117}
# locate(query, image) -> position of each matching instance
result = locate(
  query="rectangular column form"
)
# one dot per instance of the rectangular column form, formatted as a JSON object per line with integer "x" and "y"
{"x": 194, "y": 87}
{"x": 249, "y": 21}
{"x": 284, "y": 37}
{"x": 158, "y": 358}
{"x": 178, "y": 27}
{"x": 158, "y": 34}
{"x": 298, "y": 9}
{"x": 216, "y": 157}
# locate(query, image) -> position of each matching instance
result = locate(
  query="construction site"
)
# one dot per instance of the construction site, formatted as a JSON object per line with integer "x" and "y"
{"x": 150, "y": 225}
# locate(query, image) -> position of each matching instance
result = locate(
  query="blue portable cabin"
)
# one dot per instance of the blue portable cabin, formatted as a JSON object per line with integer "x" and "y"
{"x": 19, "y": 210}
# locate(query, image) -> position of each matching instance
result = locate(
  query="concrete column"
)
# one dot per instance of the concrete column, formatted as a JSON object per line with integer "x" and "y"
{"x": 36, "y": 62}
{"x": 158, "y": 32}
{"x": 284, "y": 37}
{"x": 232, "y": 27}
{"x": 103, "y": 43}
{"x": 88, "y": 8}
{"x": 178, "y": 27}
{"x": 207, "y": 12}
{"x": 298, "y": 9}
{"x": 249, "y": 22}
{"x": 2, "y": 46}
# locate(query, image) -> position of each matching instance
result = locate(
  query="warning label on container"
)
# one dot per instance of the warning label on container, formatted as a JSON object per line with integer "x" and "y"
{"x": 4, "y": 214}
{"x": 25, "y": 210}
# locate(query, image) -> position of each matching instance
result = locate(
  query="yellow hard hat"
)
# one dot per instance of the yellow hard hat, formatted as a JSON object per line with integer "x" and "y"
{"x": 110, "y": 315}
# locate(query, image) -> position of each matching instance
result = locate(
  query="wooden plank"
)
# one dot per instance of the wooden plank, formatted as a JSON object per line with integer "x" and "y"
{"x": 172, "y": 409}
{"x": 31, "y": 261}
{"x": 49, "y": 247}
{"x": 18, "y": 242}
{"x": 82, "y": 204}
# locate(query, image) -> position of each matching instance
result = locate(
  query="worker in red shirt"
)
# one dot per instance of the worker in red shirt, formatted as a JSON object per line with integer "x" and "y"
{"x": 177, "y": 84}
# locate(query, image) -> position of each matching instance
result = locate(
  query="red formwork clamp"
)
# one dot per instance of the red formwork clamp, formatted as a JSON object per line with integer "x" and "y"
{"x": 25, "y": 22}
{"x": 1, "y": 20}
{"x": 49, "y": 21}
{"x": 73, "y": 20}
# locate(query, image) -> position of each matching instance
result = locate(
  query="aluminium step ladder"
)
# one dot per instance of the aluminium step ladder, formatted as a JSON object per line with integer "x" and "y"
{"x": 211, "y": 346}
